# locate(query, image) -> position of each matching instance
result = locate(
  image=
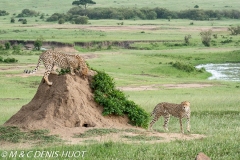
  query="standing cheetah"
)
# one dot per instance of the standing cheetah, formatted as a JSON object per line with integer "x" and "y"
{"x": 51, "y": 58}
{"x": 177, "y": 110}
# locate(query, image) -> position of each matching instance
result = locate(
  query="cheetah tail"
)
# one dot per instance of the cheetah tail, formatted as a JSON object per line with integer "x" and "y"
{"x": 35, "y": 70}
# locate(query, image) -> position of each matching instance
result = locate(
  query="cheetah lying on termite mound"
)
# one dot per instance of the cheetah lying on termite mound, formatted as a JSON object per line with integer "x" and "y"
{"x": 51, "y": 58}
{"x": 177, "y": 110}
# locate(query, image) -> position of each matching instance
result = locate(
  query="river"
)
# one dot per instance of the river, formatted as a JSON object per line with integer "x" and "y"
{"x": 226, "y": 71}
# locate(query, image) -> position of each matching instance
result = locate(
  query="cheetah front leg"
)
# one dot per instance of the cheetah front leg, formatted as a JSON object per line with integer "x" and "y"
{"x": 180, "y": 121}
{"x": 188, "y": 124}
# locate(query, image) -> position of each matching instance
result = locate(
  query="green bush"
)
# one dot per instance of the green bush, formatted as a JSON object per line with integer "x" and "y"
{"x": 184, "y": 67}
{"x": 3, "y": 13}
{"x": 63, "y": 71}
{"x": 115, "y": 102}
{"x": 61, "y": 21}
{"x": 80, "y": 20}
{"x": 7, "y": 45}
{"x": 38, "y": 43}
{"x": 12, "y": 20}
{"x": 24, "y": 21}
{"x": 234, "y": 30}
{"x": 206, "y": 37}
{"x": 10, "y": 60}
{"x": 28, "y": 13}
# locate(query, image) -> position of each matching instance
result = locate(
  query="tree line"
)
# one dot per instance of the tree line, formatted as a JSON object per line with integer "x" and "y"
{"x": 144, "y": 13}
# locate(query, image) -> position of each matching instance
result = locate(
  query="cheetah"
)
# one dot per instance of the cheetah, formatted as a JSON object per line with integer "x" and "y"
{"x": 177, "y": 110}
{"x": 51, "y": 58}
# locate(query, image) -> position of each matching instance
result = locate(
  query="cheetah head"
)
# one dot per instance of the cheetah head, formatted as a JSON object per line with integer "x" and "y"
{"x": 186, "y": 105}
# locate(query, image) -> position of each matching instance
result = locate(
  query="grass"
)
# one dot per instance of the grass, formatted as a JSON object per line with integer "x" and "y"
{"x": 141, "y": 138}
{"x": 15, "y": 135}
{"x": 96, "y": 132}
{"x": 215, "y": 109}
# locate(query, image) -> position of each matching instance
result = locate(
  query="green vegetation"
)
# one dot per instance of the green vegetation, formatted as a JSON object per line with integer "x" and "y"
{"x": 96, "y": 132}
{"x": 3, "y": 13}
{"x": 145, "y": 13}
{"x": 234, "y": 30}
{"x": 134, "y": 53}
{"x": 28, "y": 13}
{"x": 115, "y": 102}
{"x": 13, "y": 134}
{"x": 186, "y": 67}
{"x": 206, "y": 37}
{"x": 83, "y": 3}
{"x": 142, "y": 138}
{"x": 8, "y": 60}
{"x": 38, "y": 43}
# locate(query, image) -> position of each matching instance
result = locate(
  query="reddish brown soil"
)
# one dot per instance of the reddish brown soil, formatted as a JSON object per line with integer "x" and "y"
{"x": 67, "y": 104}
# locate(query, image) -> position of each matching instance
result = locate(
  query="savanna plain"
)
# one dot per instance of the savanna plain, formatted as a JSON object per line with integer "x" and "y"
{"x": 158, "y": 65}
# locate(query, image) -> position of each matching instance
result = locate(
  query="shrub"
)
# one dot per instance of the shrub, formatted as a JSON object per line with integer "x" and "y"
{"x": 206, "y": 37}
{"x": 24, "y": 21}
{"x": 58, "y": 16}
{"x": 38, "y": 43}
{"x": 1, "y": 59}
{"x": 184, "y": 67}
{"x": 7, "y": 45}
{"x": 234, "y": 30}
{"x": 42, "y": 16}
{"x": 10, "y": 60}
{"x": 63, "y": 71}
{"x": 215, "y": 36}
{"x": 115, "y": 102}
{"x": 12, "y": 20}
{"x": 61, "y": 21}
{"x": 3, "y": 13}
{"x": 27, "y": 13}
{"x": 52, "y": 18}
{"x": 80, "y": 20}
{"x": 196, "y": 6}
{"x": 187, "y": 38}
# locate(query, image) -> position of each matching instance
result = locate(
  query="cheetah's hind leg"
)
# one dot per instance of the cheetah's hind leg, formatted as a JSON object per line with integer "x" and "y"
{"x": 72, "y": 71}
{"x": 155, "y": 118}
{"x": 166, "y": 120}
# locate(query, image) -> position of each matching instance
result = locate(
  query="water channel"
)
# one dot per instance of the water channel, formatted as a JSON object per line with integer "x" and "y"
{"x": 226, "y": 71}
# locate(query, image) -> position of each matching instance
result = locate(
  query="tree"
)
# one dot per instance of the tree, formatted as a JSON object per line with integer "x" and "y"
{"x": 38, "y": 43}
{"x": 84, "y": 3}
